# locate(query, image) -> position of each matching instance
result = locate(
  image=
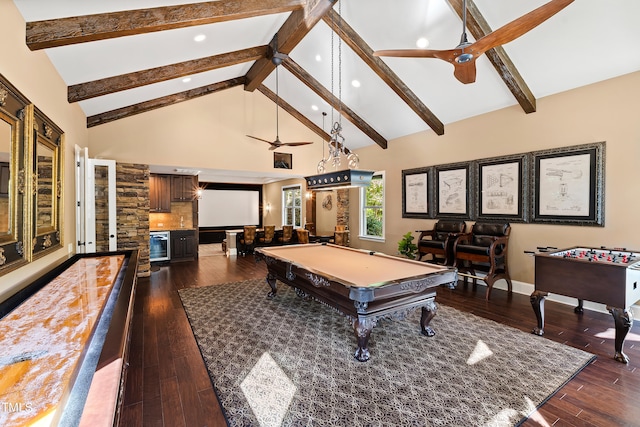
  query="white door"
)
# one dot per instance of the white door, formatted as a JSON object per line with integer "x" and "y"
{"x": 100, "y": 211}
{"x": 81, "y": 159}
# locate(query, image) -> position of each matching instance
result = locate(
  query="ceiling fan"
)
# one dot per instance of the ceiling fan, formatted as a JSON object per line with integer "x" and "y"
{"x": 463, "y": 57}
{"x": 277, "y": 59}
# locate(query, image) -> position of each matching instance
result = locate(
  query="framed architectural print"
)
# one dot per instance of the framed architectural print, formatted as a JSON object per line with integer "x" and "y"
{"x": 569, "y": 185}
{"x": 503, "y": 185}
{"x": 417, "y": 193}
{"x": 454, "y": 193}
{"x": 282, "y": 160}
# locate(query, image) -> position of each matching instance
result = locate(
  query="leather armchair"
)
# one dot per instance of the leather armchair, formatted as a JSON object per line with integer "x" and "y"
{"x": 341, "y": 235}
{"x": 287, "y": 234}
{"x": 485, "y": 248}
{"x": 247, "y": 241}
{"x": 303, "y": 235}
{"x": 439, "y": 241}
{"x": 268, "y": 235}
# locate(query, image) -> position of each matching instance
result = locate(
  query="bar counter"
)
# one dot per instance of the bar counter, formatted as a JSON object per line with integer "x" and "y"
{"x": 63, "y": 343}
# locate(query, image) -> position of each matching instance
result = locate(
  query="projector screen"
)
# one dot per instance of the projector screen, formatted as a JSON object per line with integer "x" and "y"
{"x": 224, "y": 208}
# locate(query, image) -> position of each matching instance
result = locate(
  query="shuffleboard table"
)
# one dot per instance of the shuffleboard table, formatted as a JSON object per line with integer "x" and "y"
{"x": 364, "y": 286}
{"x": 64, "y": 343}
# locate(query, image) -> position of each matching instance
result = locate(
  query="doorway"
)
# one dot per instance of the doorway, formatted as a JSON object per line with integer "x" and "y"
{"x": 96, "y": 227}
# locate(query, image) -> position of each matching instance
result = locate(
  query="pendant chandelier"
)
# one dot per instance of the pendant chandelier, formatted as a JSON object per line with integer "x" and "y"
{"x": 338, "y": 151}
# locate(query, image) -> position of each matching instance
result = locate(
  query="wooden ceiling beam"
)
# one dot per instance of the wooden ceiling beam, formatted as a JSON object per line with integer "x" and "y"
{"x": 297, "y": 25}
{"x": 332, "y": 100}
{"x": 164, "y": 101}
{"x": 81, "y": 29}
{"x": 295, "y": 113}
{"x": 114, "y": 84}
{"x": 478, "y": 27}
{"x": 364, "y": 51}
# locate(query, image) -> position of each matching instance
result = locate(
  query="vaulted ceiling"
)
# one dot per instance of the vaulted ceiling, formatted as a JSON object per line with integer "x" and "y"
{"x": 119, "y": 62}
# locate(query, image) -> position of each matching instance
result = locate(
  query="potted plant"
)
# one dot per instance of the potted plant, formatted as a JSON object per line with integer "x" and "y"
{"x": 406, "y": 246}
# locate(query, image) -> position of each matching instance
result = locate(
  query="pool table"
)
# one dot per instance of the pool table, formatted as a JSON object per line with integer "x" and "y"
{"x": 364, "y": 286}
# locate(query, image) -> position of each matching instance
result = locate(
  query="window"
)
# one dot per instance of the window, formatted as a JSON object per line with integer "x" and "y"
{"x": 372, "y": 203}
{"x": 292, "y": 206}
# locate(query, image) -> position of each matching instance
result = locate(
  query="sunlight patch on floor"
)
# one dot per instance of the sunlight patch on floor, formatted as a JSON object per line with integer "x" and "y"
{"x": 268, "y": 391}
{"x": 480, "y": 352}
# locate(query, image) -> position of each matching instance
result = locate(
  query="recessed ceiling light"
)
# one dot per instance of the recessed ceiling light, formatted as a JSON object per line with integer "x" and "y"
{"x": 186, "y": 80}
{"x": 200, "y": 38}
{"x": 318, "y": 58}
{"x": 314, "y": 108}
{"x": 422, "y": 42}
{"x": 355, "y": 83}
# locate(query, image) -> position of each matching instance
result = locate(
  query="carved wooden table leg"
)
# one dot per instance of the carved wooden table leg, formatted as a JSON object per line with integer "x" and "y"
{"x": 537, "y": 302}
{"x": 624, "y": 320}
{"x": 428, "y": 313}
{"x": 271, "y": 280}
{"x": 362, "y": 329}
{"x": 580, "y": 308}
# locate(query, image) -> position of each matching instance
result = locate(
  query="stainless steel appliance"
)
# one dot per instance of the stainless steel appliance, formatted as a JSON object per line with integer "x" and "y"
{"x": 159, "y": 246}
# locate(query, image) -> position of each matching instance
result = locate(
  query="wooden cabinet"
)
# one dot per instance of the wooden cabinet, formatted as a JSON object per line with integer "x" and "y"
{"x": 159, "y": 193}
{"x": 183, "y": 188}
{"x": 184, "y": 245}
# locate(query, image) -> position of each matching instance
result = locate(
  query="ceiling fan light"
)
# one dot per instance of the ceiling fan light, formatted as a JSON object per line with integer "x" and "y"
{"x": 465, "y": 57}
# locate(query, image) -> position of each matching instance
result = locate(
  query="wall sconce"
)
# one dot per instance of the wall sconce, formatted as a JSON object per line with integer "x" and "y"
{"x": 267, "y": 207}
{"x": 308, "y": 195}
{"x": 199, "y": 193}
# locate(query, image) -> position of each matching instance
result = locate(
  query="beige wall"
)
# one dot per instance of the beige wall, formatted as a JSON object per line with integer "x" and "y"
{"x": 326, "y": 219}
{"x": 605, "y": 111}
{"x": 272, "y": 194}
{"x": 33, "y": 74}
{"x": 208, "y": 133}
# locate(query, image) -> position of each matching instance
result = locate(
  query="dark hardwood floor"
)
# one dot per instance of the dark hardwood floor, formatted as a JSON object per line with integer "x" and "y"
{"x": 168, "y": 385}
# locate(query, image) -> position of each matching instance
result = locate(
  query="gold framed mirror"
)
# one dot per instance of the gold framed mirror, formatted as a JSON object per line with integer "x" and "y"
{"x": 13, "y": 201}
{"x": 47, "y": 146}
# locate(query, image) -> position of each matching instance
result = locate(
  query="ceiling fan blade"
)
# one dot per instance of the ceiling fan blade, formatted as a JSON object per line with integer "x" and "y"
{"x": 518, "y": 27}
{"x": 465, "y": 72}
{"x": 446, "y": 55}
{"x": 407, "y": 53}
{"x": 273, "y": 145}
{"x": 294, "y": 144}
{"x": 260, "y": 139}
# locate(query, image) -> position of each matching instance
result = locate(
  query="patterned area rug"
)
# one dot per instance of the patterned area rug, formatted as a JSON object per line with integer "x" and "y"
{"x": 289, "y": 362}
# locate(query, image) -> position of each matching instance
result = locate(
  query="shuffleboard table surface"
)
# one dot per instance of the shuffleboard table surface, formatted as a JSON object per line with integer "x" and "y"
{"x": 43, "y": 340}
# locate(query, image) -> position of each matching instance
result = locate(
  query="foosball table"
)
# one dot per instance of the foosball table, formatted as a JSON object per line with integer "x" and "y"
{"x": 602, "y": 275}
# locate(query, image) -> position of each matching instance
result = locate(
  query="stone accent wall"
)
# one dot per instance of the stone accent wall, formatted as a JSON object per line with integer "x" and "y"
{"x": 132, "y": 186}
{"x": 342, "y": 208}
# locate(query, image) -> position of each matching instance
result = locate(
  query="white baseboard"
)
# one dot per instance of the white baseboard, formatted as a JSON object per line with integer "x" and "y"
{"x": 528, "y": 288}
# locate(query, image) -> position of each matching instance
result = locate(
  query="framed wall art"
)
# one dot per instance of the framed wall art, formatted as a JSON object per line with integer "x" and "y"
{"x": 503, "y": 188}
{"x": 454, "y": 195}
{"x": 417, "y": 193}
{"x": 569, "y": 185}
{"x": 282, "y": 160}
